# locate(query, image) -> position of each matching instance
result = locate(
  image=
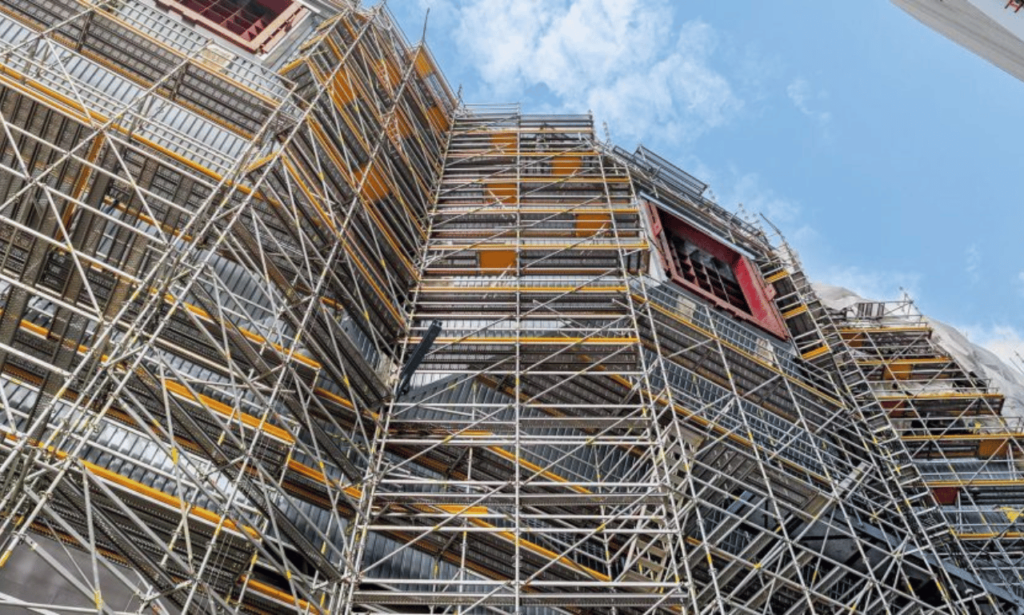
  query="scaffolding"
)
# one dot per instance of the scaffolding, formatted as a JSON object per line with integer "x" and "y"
{"x": 286, "y": 327}
{"x": 205, "y": 261}
{"x": 950, "y": 421}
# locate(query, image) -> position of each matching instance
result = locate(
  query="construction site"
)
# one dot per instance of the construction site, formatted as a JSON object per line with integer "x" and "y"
{"x": 288, "y": 327}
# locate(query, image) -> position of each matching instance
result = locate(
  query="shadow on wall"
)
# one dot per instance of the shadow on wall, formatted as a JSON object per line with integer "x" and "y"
{"x": 29, "y": 577}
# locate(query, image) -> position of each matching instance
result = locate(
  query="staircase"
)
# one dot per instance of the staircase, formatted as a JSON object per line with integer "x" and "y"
{"x": 820, "y": 342}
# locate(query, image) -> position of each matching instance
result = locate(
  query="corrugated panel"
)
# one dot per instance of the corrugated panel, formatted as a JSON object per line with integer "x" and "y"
{"x": 774, "y": 433}
{"x": 97, "y": 88}
{"x": 571, "y": 461}
{"x": 188, "y": 41}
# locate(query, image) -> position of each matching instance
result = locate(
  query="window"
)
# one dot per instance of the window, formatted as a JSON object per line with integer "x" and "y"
{"x": 711, "y": 268}
{"x": 255, "y": 25}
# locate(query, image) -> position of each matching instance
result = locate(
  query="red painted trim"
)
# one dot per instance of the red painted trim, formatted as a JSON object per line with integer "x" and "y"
{"x": 758, "y": 295}
{"x": 945, "y": 496}
{"x": 285, "y": 14}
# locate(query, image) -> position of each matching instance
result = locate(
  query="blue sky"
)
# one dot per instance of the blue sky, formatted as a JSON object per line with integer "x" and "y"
{"x": 889, "y": 156}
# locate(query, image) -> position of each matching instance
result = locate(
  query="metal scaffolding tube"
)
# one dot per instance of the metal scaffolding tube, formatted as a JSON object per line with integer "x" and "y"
{"x": 216, "y": 262}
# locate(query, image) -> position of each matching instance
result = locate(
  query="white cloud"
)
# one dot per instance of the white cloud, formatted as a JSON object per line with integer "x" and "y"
{"x": 804, "y": 235}
{"x": 798, "y": 91}
{"x": 747, "y": 195}
{"x": 873, "y": 285}
{"x": 757, "y": 70}
{"x": 973, "y": 264}
{"x": 624, "y": 60}
{"x": 759, "y": 199}
{"x": 802, "y": 95}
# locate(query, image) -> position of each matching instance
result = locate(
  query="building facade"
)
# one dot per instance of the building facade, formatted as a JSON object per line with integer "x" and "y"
{"x": 286, "y": 327}
{"x": 993, "y": 29}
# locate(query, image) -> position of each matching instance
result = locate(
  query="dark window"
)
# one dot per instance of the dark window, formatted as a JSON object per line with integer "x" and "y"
{"x": 711, "y": 274}
{"x": 252, "y": 24}
{"x": 708, "y": 267}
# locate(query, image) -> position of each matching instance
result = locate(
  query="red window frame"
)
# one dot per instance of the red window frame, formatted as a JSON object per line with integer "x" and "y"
{"x": 757, "y": 294}
{"x": 233, "y": 19}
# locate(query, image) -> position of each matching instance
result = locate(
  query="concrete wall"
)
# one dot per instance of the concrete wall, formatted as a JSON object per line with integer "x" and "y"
{"x": 992, "y": 31}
